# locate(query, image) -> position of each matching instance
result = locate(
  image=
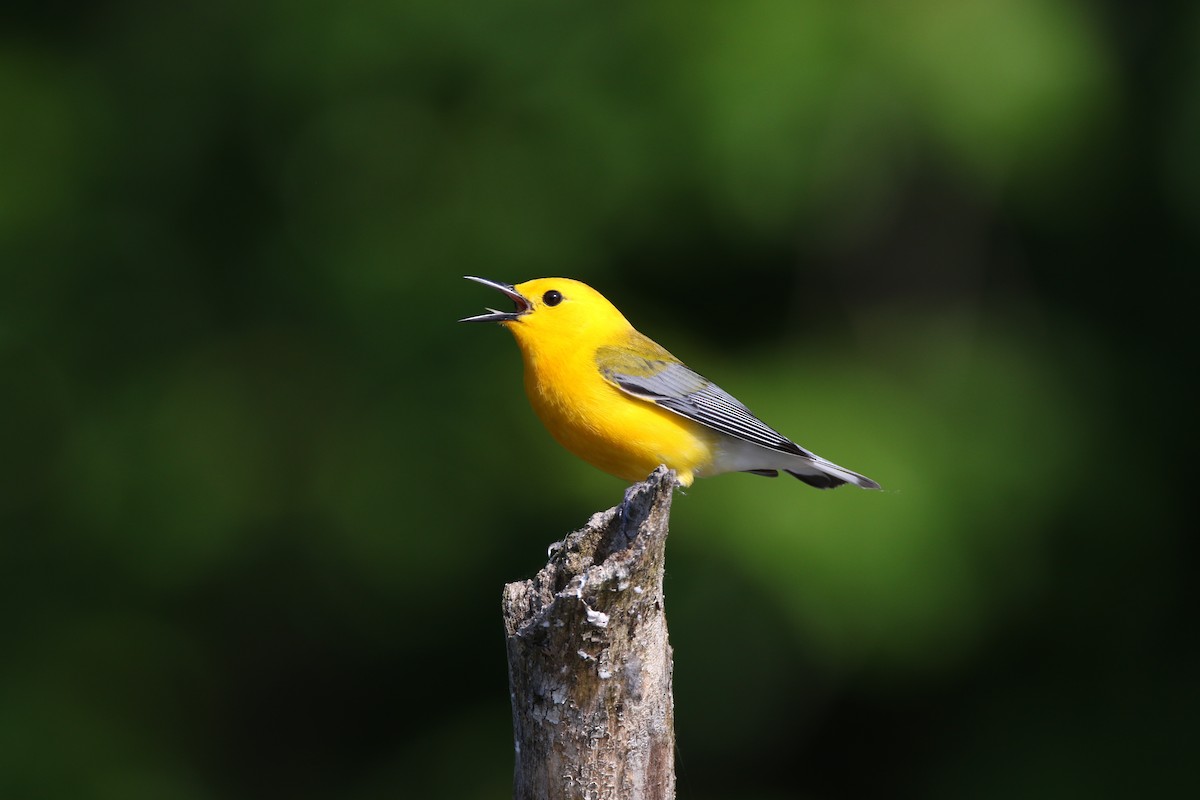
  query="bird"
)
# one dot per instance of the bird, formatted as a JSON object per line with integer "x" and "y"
{"x": 621, "y": 402}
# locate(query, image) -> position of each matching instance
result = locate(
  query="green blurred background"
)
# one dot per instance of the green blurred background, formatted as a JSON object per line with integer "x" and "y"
{"x": 260, "y": 492}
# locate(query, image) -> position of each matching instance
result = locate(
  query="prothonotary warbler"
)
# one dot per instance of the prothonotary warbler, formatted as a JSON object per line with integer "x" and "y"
{"x": 621, "y": 402}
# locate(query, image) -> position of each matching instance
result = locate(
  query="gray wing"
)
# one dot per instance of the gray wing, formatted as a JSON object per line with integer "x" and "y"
{"x": 677, "y": 388}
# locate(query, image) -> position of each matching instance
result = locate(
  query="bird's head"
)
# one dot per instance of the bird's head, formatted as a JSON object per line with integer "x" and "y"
{"x": 553, "y": 312}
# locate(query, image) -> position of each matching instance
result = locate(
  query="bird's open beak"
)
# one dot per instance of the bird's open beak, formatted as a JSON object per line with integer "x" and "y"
{"x": 493, "y": 315}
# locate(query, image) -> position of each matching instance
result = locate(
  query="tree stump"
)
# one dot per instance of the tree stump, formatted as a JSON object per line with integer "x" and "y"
{"x": 589, "y": 664}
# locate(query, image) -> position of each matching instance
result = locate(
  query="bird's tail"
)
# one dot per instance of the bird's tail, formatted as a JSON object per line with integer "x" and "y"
{"x": 822, "y": 474}
{"x": 746, "y": 456}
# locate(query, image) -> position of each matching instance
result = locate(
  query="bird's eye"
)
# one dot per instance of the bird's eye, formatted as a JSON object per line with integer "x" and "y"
{"x": 552, "y": 297}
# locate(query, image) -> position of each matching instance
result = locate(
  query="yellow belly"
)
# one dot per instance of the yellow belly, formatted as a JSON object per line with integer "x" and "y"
{"x": 620, "y": 434}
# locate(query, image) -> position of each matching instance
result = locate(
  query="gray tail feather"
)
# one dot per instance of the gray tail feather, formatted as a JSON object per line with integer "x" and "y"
{"x": 817, "y": 480}
{"x": 766, "y": 473}
{"x": 826, "y": 480}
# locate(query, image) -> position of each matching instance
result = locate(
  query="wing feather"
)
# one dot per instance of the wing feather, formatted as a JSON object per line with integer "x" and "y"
{"x": 649, "y": 372}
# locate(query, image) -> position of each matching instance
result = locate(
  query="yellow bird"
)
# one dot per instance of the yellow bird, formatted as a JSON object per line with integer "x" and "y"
{"x": 621, "y": 402}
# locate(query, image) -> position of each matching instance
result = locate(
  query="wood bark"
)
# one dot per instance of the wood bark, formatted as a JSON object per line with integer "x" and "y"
{"x": 589, "y": 663}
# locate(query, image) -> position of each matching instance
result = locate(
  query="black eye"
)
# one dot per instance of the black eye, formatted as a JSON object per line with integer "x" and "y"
{"x": 552, "y": 297}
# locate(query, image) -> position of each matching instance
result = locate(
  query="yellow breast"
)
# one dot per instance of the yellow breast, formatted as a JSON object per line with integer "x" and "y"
{"x": 620, "y": 434}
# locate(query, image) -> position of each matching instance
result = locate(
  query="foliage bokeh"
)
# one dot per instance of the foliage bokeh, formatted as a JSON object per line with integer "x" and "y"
{"x": 260, "y": 493}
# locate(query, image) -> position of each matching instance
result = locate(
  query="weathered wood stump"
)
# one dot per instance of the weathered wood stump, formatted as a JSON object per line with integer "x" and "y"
{"x": 589, "y": 664}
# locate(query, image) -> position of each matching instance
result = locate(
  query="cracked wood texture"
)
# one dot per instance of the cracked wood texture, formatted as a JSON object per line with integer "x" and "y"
{"x": 589, "y": 664}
